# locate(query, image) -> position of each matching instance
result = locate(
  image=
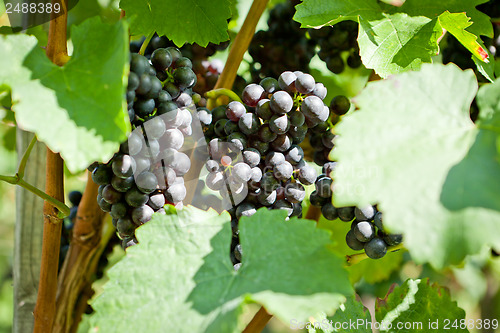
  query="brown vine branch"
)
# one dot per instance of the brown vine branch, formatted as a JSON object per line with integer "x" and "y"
{"x": 313, "y": 213}
{"x": 228, "y": 75}
{"x": 45, "y": 308}
{"x": 86, "y": 291}
{"x": 84, "y": 250}
{"x": 258, "y": 322}
{"x": 240, "y": 45}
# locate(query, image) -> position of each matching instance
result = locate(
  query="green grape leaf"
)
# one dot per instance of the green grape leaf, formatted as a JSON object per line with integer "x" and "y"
{"x": 286, "y": 267}
{"x": 398, "y": 39}
{"x": 350, "y": 317}
{"x": 319, "y": 13}
{"x": 488, "y": 100}
{"x": 487, "y": 69}
{"x": 9, "y": 139}
{"x": 372, "y": 271}
{"x": 432, "y": 9}
{"x": 417, "y": 306}
{"x": 203, "y": 21}
{"x": 397, "y": 43}
{"x": 413, "y": 149}
{"x": 352, "y": 311}
{"x": 456, "y": 24}
{"x": 78, "y": 109}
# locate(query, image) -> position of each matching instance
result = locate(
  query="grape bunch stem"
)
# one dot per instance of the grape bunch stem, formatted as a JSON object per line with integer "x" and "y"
{"x": 356, "y": 258}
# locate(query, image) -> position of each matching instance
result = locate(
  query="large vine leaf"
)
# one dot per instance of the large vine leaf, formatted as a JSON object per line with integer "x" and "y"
{"x": 397, "y": 43}
{"x": 192, "y": 21}
{"x": 318, "y": 13}
{"x": 78, "y": 109}
{"x": 397, "y": 39}
{"x": 417, "y": 306}
{"x": 351, "y": 317}
{"x": 413, "y": 149}
{"x": 286, "y": 267}
{"x": 455, "y": 24}
{"x": 432, "y": 9}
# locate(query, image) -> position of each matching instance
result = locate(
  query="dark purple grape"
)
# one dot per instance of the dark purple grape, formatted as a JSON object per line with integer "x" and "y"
{"x": 125, "y": 227}
{"x": 252, "y": 94}
{"x": 123, "y": 166}
{"x": 269, "y": 84}
{"x": 110, "y": 195}
{"x": 286, "y": 81}
{"x": 353, "y": 242}
{"x": 235, "y": 110}
{"x": 122, "y": 184}
{"x": 307, "y": 175}
{"x": 295, "y": 154}
{"x": 251, "y": 156}
{"x": 263, "y": 109}
{"x": 282, "y": 143}
{"x": 281, "y": 102}
{"x": 161, "y": 59}
{"x": 329, "y": 211}
{"x": 135, "y": 198}
{"x": 249, "y": 123}
{"x": 156, "y": 201}
{"x": 295, "y": 193}
{"x": 101, "y": 175}
{"x": 364, "y": 231}
{"x": 265, "y": 134}
{"x": 376, "y": 248}
{"x": 184, "y": 77}
{"x": 305, "y": 83}
{"x": 118, "y": 210}
{"x": 283, "y": 171}
{"x": 142, "y": 214}
{"x": 340, "y": 105}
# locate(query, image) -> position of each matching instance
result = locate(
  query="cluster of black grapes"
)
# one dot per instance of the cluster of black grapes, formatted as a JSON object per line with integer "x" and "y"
{"x": 207, "y": 71}
{"x": 336, "y": 40}
{"x": 255, "y": 157}
{"x": 367, "y": 232}
{"x": 322, "y": 137}
{"x": 284, "y": 46}
{"x": 148, "y": 170}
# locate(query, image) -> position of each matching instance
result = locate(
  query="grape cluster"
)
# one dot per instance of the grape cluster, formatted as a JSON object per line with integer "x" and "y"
{"x": 207, "y": 71}
{"x": 334, "y": 42}
{"x": 148, "y": 170}
{"x": 367, "y": 231}
{"x": 255, "y": 157}
{"x": 284, "y": 46}
{"x": 322, "y": 138}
